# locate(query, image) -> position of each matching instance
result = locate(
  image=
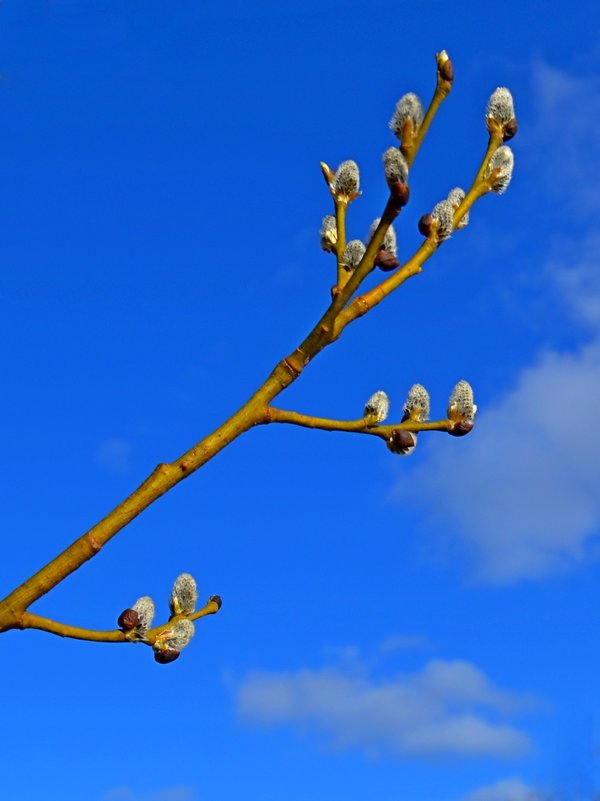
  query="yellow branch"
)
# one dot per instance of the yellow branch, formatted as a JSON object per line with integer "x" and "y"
{"x": 31, "y": 621}
{"x": 364, "y": 425}
{"x": 341, "y": 206}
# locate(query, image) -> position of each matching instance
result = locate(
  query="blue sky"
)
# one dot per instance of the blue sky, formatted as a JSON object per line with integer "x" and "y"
{"x": 421, "y": 628}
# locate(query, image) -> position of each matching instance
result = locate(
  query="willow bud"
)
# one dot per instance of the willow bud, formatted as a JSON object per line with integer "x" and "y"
{"x": 443, "y": 214}
{"x": 354, "y": 252}
{"x": 378, "y": 406}
{"x": 165, "y": 655}
{"x": 461, "y": 408}
{"x": 128, "y": 620}
{"x": 386, "y": 261}
{"x": 144, "y": 607}
{"x": 500, "y": 169}
{"x": 180, "y": 635}
{"x": 395, "y": 167}
{"x": 456, "y": 197}
{"x": 346, "y": 181}
{"x": 407, "y": 117}
{"x": 501, "y": 109}
{"x": 426, "y": 224}
{"x": 184, "y": 595}
{"x": 402, "y": 442}
{"x": 445, "y": 67}
{"x": 416, "y": 405}
{"x": 217, "y": 600}
{"x": 328, "y": 233}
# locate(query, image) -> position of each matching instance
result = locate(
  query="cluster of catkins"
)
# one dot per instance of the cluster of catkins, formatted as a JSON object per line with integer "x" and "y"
{"x": 169, "y": 643}
{"x": 440, "y": 223}
{"x": 461, "y": 411}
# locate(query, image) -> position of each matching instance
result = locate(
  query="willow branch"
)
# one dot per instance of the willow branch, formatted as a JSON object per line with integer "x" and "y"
{"x": 166, "y": 475}
{"x": 364, "y": 425}
{"x": 13, "y": 608}
{"x": 30, "y": 621}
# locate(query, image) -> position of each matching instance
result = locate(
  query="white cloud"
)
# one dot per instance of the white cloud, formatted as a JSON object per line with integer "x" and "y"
{"x": 506, "y": 790}
{"x": 450, "y": 708}
{"x": 522, "y": 491}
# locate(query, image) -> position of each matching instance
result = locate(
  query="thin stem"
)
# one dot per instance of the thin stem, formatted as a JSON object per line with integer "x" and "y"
{"x": 442, "y": 90}
{"x": 341, "y": 206}
{"x": 30, "y": 621}
{"x": 364, "y": 425}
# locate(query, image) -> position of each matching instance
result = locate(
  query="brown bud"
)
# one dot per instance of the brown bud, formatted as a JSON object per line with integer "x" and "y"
{"x": 399, "y": 194}
{"x": 216, "y": 599}
{"x": 445, "y": 68}
{"x": 128, "y": 620}
{"x": 510, "y": 129}
{"x": 165, "y": 655}
{"x": 425, "y": 224}
{"x": 461, "y": 429}
{"x": 386, "y": 261}
{"x": 401, "y": 441}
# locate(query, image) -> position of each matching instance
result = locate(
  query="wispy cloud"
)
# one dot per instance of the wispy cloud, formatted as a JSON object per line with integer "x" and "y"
{"x": 127, "y": 793}
{"x": 114, "y": 455}
{"x": 403, "y": 642}
{"x": 506, "y": 790}
{"x": 566, "y": 135}
{"x": 449, "y": 708}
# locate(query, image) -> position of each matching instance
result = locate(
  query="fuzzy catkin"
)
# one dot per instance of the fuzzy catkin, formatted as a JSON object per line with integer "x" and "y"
{"x": 184, "y": 595}
{"x": 409, "y": 107}
{"x": 346, "y": 179}
{"x": 180, "y": 635}
{"x": 328, "y": 232}
{"x": 377, "y": 406}
{"x": 354, "y": 252}
{"x": 503, "y": 161}
{"x": 443, "y": 213}
{"x": 500, "y": 106}
{"x": 456, "y": 197}
{"x": 460, "y": 403}
{"x": 395, "y": 166}
{"x": 416, "y": 405}
{"x": 144, "y": 606}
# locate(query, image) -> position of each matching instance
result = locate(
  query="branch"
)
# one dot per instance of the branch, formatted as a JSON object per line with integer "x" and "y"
{"x": 363, "y": 426}
{"x": 257, "y": 410}
{"x": 30, "y": 621}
